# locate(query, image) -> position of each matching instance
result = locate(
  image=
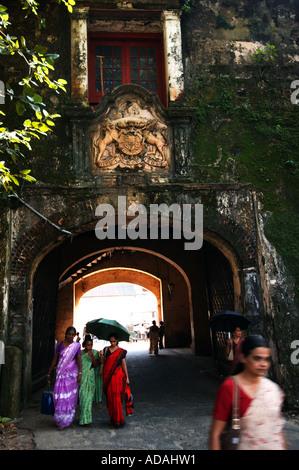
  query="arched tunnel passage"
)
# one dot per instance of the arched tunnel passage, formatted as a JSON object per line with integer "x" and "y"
{"x": 144, "y": 268}
{"x": 130, "y": 304}
{"x": 115, "y": 277}
{"x": 193, "y": 286}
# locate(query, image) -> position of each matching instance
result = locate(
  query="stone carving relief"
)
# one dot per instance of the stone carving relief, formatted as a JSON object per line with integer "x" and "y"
{"x": 131, "y": 136}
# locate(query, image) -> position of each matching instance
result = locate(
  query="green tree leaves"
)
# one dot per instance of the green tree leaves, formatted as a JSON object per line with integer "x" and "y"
{"x": 40, "y": 67}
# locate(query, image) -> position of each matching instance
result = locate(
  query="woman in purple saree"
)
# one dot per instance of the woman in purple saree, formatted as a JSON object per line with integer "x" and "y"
{"x": 68, "y": 364}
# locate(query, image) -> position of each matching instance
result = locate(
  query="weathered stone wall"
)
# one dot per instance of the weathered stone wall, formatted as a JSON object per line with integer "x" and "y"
{"x": 11, "y": 373}
{"x": 238, "y": 158}
{"x": 245, "y": 130}
{"x": 226, "y": 33}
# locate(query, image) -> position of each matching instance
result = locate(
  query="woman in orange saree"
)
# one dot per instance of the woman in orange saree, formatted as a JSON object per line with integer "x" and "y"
{"x": 115, "y": 375}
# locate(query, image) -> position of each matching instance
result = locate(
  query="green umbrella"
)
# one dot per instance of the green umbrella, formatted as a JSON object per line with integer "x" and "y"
{"x": 103, "y": 327}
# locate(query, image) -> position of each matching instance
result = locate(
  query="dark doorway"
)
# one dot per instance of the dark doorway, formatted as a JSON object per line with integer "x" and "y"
{"x": 45, "y": 290}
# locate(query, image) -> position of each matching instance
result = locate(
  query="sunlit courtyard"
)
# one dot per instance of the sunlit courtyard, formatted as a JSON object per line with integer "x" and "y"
{"x": 130, "y": 304}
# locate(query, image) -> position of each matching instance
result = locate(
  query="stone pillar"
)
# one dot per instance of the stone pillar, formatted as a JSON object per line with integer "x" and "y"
{"x": 173, "y": 54}
{"x": 2, "y": 92}
{"x": 79, "y": 71}
{"x": 10, "y": 386}
{"x": 20, "y": 328}
{"x": 5, "y": 235}
{"x": 181, "y": 119}
{"x": 253, "y": 301}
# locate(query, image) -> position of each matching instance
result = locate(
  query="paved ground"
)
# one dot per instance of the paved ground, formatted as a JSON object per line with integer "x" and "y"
{"x": 173, "y": 394}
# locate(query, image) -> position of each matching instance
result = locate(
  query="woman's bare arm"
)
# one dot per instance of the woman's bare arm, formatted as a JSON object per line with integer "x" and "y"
{"x": 216, "y": 430}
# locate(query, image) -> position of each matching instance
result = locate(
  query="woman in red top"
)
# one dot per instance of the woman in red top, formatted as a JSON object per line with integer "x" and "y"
{"x": 236, "y": 345}
{"x": 260, "y": 402}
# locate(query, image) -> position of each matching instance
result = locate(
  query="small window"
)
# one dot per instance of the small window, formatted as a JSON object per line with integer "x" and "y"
{"x": 114, "y": 61}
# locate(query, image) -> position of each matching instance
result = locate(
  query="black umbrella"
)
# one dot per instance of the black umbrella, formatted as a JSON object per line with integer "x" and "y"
{"x": 228, "y": 321}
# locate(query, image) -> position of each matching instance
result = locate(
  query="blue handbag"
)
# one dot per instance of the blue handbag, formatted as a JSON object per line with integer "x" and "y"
{"x": 47, "y": 405}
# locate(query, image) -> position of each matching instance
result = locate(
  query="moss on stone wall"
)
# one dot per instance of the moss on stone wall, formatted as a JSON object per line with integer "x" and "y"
{"x": 247, "y": 131}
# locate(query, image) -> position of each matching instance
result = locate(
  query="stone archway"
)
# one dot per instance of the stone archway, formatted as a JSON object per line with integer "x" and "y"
{"x": 184, "y": 286}
{"x": 42, "y": 259}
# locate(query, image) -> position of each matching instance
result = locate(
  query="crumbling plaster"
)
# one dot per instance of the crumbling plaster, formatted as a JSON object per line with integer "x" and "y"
{"x": 169, "y": 24}
{"x": 204, "y": 45}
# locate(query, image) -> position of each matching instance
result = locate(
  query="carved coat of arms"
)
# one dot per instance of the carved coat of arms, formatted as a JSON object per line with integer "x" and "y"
{"x": 130, "y": 141}
{"x": 133, "y": 140}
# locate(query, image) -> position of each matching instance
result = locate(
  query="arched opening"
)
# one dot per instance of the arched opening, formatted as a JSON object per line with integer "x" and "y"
{"x": 163, "y": 277}
{"x": 121, "y": 280}
{"x": 132, "y": 305}
{"x": 188, "y": 286}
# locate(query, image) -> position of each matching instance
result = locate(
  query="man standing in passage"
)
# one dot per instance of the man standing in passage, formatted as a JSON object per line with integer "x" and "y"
{"x": 161, "y": 334}
{"x": 154, "y": 338}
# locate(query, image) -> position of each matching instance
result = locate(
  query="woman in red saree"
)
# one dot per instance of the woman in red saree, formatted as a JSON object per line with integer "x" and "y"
{"x": 115, "y": 376}
{"x": 260, "y": 402}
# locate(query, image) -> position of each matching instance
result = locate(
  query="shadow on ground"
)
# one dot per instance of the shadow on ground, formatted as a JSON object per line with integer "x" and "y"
{"x": 173, "y": 395}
